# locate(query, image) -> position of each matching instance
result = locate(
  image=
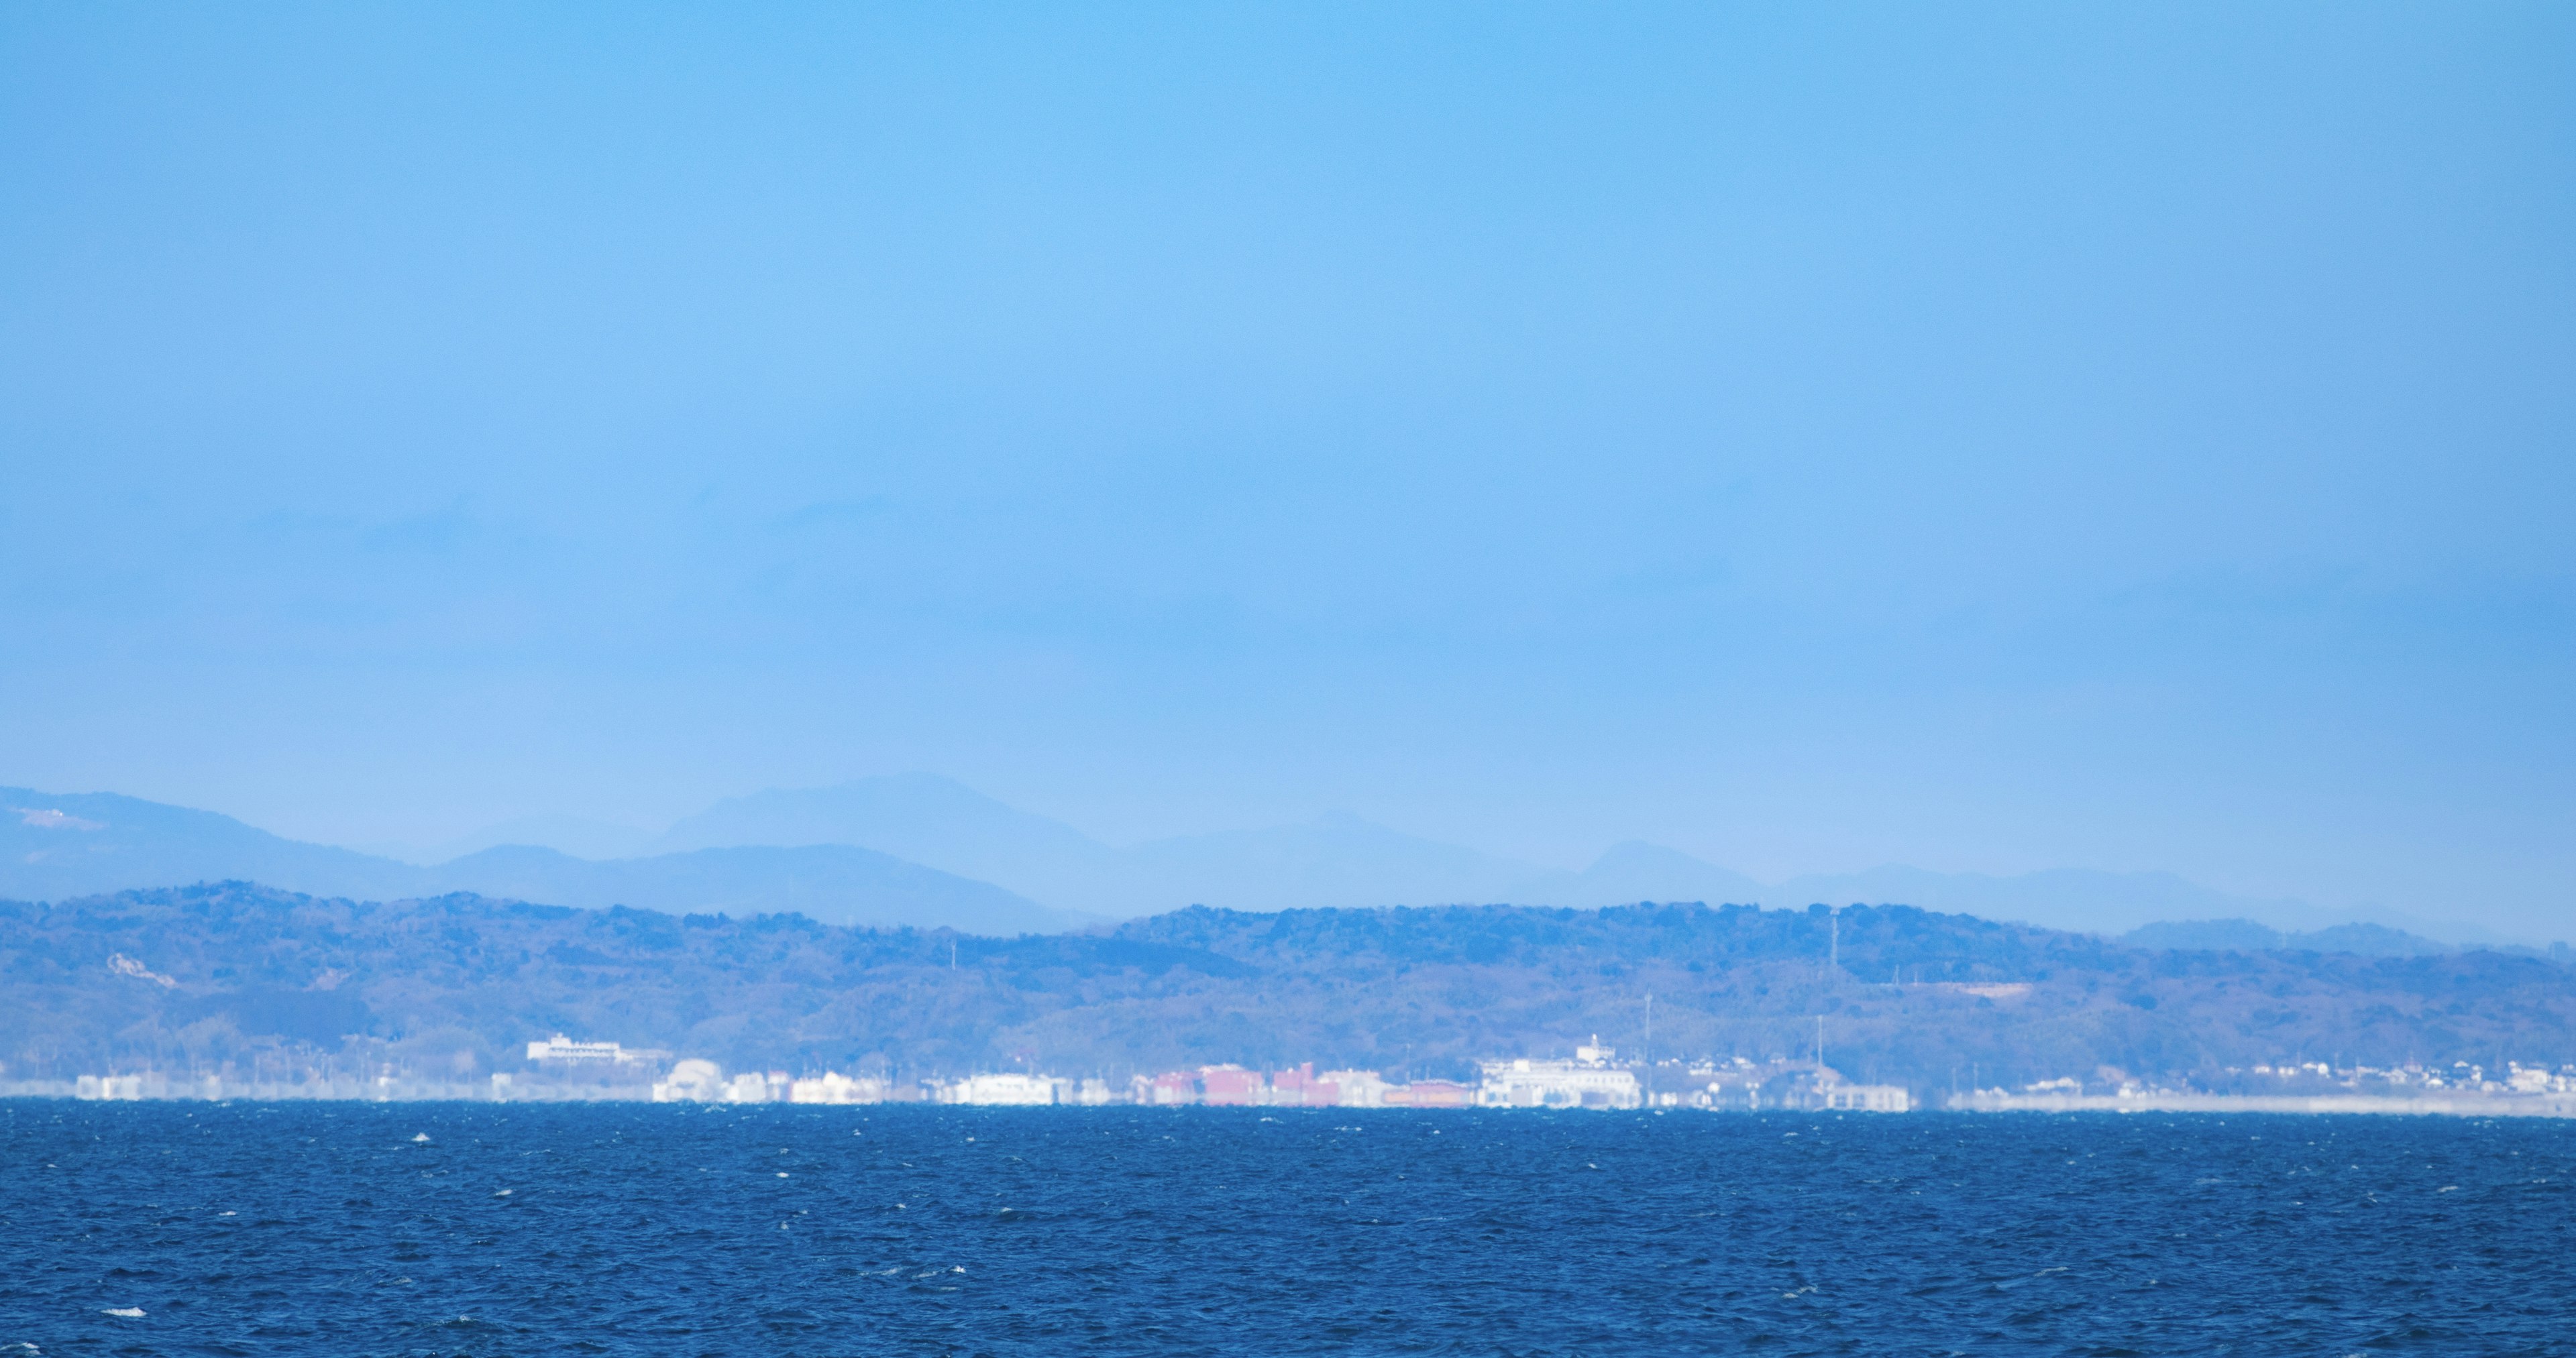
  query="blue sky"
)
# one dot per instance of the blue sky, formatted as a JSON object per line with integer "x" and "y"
{"x": 1980, "y": 437}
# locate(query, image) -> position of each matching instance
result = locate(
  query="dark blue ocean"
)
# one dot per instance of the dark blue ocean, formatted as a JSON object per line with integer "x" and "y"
{"x": 332, "y": 1229}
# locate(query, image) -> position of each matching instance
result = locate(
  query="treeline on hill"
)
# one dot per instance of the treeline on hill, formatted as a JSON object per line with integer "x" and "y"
{"x": 210, "y": 976}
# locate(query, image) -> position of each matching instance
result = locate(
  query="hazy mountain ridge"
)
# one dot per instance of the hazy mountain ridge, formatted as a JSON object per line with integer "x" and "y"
{"x": 919, "y": 817}
{"x": 55, "y": 847}
{"x": 239, "y": 972}
{"x": 2057, "y": 898}
{"x": 58, "y": 845}
{"x": 2244, "y": 935}
{"x": 1343, "y": 861}
{"x": 920, "y": 849}
{"x": 831, "y": 883}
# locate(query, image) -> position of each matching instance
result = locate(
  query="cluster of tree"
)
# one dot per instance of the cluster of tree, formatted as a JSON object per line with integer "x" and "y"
{"x": 209, "y": 976}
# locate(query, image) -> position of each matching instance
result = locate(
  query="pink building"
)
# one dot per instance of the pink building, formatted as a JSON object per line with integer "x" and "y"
{"x": 1230, "y": 1086}
{"x": 1300, "y": 1089}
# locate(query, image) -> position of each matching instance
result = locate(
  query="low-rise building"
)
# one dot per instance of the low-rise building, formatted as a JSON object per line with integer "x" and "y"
{"x": 2523, "y": 1079}
{"x": 833, "y": 1087}
{"x": 1171, "y": 1089}
{"x": 562, "y": 1048}
{"x": 1865, "y": 1098}
{"x": 1431, "y": 1094}
{"x": 1303, "y": 1088}
{"x": 1003, "y": 1090}
{"x": 1230, "y": 1086}
{"x": 691, "y": 1081}
{"x": 1587, "y": 1081}
{"x": 753, "y": 1087}
{"x": 149, "y": 1085}
{"x": 1356, "y": 1088}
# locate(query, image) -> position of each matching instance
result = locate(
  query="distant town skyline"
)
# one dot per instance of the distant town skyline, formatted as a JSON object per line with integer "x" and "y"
{"x": 1987, "y": 442}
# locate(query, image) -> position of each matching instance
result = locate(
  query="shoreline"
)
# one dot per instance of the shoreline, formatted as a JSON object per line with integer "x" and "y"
{"x": 2467, "y": 1105}
{"x": 2457, "y": 1105}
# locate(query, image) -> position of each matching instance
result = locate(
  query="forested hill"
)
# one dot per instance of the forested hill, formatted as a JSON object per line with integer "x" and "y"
{"x": 232, "y": 973}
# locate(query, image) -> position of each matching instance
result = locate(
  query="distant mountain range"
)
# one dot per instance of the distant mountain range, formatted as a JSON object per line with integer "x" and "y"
{"x": 917, "y": 849}
{"x": 1343, "y": 861}
{"x": 2244, "y": 935}
{"x": 56, "y": 847}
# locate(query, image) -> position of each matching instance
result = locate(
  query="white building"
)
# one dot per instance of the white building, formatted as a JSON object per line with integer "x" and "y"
{"x": 2524, "y": 1079}
{"x": 834, "y": 1087}
{"x": 1359, "y": 1088}
{"x": 1013, "y": 1090}
{"x": 691, "y": 1081}
{"x": 150, "y": 1084}
{"x": 1587, "y": 1081}
{"x": 754, "y": 1087}
{"x": 1864, "y": 1098}
{"x": 562, "y": 1048}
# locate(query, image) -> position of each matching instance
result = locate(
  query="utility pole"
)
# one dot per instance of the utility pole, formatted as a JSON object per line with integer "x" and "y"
{"x": 1650, "y": 1049}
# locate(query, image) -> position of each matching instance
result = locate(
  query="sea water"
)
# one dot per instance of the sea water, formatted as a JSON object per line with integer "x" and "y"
{"x": 639, "y": 1229}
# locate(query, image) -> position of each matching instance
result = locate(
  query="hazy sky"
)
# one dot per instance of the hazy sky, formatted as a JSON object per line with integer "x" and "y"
{"x": 1985, "y": 438}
